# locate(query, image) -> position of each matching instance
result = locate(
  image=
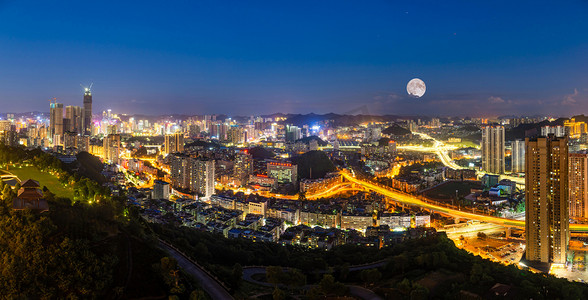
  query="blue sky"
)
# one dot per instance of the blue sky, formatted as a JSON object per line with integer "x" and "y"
{"x": 256, "y": 57}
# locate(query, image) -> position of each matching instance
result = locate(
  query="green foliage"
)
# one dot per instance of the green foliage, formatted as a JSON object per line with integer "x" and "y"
{"x": 37, "y": 263}
{"x": 316, "y": 160}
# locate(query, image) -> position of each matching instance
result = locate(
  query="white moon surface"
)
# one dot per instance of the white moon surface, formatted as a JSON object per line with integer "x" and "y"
{"x": 416, "y": 88}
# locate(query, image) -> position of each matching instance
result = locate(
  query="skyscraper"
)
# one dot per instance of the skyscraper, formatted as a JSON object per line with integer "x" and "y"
{"x": 518, "y": 156}
{"x": 578, "y": 185}
{"x": 87, "y": 111}
{"x": 55, "y": 120}
{"x": 174, "y": 143}
{"x": 493, "y": 149}
{"x": 546, "y": 190}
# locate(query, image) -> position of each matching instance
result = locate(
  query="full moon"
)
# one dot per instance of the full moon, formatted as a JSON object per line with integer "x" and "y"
{"x": 416, "y": 88}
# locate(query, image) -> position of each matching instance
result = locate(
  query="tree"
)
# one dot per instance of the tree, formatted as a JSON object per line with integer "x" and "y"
{"x": 274, "y": 274}
{"x": 370, "y": 276}
{"x": 236, "y": 276}
{"x": 278, "y": 294}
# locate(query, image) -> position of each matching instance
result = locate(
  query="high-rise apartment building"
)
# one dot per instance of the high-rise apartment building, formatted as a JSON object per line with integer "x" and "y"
{"x": 546, "y": 190}
{"x": 87, "y": 122}
{"x": 493, "y": 149}
{"x": 202, "y": 179}
{"x": 112, "y": 149}
{"x": 180, "y": 171}
{"x": 55, "y": 120}
{"x": 518, "y": 156}
{"x": 578, "y": 174}
{"x": 174, "y": 143}
{"x": 242, "y": 168}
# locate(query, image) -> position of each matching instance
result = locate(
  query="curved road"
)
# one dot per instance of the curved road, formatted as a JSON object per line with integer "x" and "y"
{"x": 207, "y": 282}
{"x": 412, "y": 200}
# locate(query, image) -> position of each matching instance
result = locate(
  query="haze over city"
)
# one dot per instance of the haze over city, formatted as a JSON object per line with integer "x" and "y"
{"x": 477, "y": 58}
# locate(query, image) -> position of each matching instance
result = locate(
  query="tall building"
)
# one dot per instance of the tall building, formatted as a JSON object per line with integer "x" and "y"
{"x": 174, "y": 143}
{"x": 518, "y": 156}
{"x": 578, "y": 185}
{"x": 180, "y": 171}
{"x": 55, "y": 120}
{"x": 293, "y": 133}
{"x": 73, "y": 119}
{"x": 87, "y": 123}
{"x": 202, "y": 179}
{"x": 493, "y": 149}
{"x": 242, "y": 168}
{"x": 546, "y": 190}
{"x": 112, "y": 149}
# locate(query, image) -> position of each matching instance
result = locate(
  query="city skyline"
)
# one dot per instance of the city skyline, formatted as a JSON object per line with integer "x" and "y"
{"x": 476, "y": 59}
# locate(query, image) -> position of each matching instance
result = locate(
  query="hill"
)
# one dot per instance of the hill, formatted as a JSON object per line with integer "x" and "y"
{"x": 396, "y": 130}
{"x": 315, "y": 162}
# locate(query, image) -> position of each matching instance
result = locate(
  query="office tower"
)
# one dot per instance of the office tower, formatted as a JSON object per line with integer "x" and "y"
{"x": 558, "y": 131}
{"x": 160, "y": 190}
{"x": 174, "y": 143}
{"x": 87, "y": 123}
{"x": 111, "y": 145}
{"x": 493, "y": 149}
{"x": 546, "y": 190}
{"x": 578, "y": 185}
{"x": 73, "y": 119}
{"x": 242, "y": 168}
{"x": 56, "y": 119}
{"x": 202, "y": 180}
{"x": 518, "y": 156}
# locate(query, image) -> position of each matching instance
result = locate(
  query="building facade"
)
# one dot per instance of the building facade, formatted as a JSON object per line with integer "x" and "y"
{"x": 518, "y": 156}
{"x": 546, "y": 190}
{"x": 578, "y": 178}
{"x": 493, "y": 149}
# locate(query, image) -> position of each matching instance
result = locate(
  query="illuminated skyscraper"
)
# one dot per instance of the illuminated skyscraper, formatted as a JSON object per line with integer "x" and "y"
{"x": 546, "y": 190}
{"x": 87, "y": 123}
{"x": 578, "y": 185}
{"x": 493, "y": 149}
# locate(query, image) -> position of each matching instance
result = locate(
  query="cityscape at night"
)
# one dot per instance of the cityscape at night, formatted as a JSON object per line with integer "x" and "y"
{"x": 293, "y": 150}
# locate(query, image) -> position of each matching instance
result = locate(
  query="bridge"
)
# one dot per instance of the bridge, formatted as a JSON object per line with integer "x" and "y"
{"x": 415, "y": 201}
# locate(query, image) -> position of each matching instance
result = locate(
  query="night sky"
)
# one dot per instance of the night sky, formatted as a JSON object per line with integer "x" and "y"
{"x": 258, "y": 57}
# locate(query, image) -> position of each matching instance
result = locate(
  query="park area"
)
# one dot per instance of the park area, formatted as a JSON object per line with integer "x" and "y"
{"x": 45, "y": 179}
